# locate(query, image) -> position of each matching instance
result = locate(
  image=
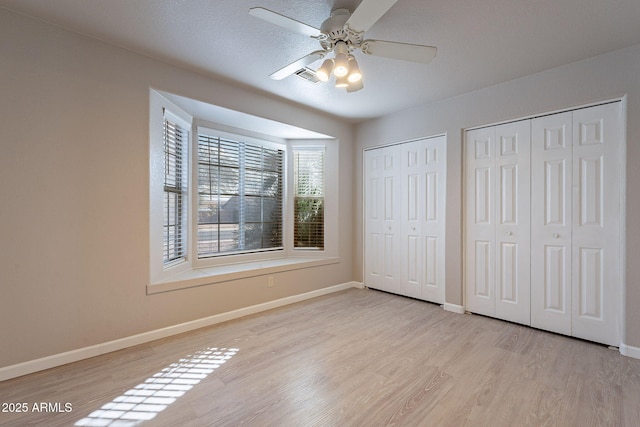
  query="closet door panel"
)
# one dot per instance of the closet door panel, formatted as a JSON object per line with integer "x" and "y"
{"x": 512, "y": 189}
{"x": 596, "y": 223}
{"x": 382, "y": 219}
{"x": 433, "y": 270}
{"x": 433, "y": 218}
{"x": 480, "y": 224}
{"x": 412, "y": 192}
{"x": 392, "y": 229}
{"x": 373, "y": 218}
{"x": 551, "y": 216}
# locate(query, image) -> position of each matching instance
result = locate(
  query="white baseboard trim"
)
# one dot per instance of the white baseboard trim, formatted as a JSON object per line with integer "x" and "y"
{"x": 31, "y": 366}
{"x": 454, "y": 308}
{"x": 627, "y": 350}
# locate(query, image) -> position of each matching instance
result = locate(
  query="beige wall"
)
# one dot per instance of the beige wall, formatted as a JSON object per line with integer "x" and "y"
{"x": 600, "y": 78}
{"x": 74, "y": 220}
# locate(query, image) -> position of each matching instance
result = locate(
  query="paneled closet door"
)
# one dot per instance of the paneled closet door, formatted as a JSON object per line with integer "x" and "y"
{"x": 596, "y": 223}
{"x": 373, "y": 217}
{"x": 404, "y": 218}
{"x": 382, "y": 219}
{"x": 434, "y": 171}
{"x": 576, "y": 252}
{"x": 497, "y": 274}
{"x": 480, "y": 226}
{"x": 512, "y": 258}
{"x": 551, "y": 217}
{"x": 411, "y": 225}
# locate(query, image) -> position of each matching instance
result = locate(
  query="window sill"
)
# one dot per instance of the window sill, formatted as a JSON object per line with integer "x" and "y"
{"x": 211, "y": 275}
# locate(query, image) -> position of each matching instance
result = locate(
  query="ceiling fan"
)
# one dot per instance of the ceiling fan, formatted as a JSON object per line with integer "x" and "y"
{"x": 343, "y": 33}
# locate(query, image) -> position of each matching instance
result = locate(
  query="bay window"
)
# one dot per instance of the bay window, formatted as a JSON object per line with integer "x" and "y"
{"x": 228, "y": 203}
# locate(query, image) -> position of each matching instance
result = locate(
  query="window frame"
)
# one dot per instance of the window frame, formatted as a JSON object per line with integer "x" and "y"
{"x": 158, "y": 108}
{"x": 297, "y": 148}
{"x": 331, "y": 194}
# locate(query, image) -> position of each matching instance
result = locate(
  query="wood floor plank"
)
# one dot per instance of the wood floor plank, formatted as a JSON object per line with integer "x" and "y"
{"x": 357, "y": 357}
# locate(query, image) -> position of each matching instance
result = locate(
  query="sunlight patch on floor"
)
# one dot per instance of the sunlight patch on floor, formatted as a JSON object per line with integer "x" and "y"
{"x": 146, "y": 400}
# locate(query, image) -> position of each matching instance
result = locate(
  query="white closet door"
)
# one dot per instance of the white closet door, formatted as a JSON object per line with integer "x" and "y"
{"x": 480, "y": 224}
{"x": 596, "y": 223}
{"x": 551, "y": 217}
{"x": 373, "y": 218}
{"x": 434, "y": 171}
{"x": 382, "y": 219}
{"x": 392, "y": 220}
{"x": 405, "y": 218}
{"x": 512, "y": 258}
{"x": 497, "y": 273}
{"x": 412, "y": 191}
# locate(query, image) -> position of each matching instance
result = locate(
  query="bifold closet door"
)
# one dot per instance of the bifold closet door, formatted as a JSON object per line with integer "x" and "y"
{"x": 382, "y": 219}
{"x": 422, "y": 219}
{"x": 551, "y": 222}
{"x": 576, "y": 195}
{"x": 434, "y": 176}
{"x": 404, "y": 218}
{"x": 597, "y": 255}
{"x": 412, "y": 188}
{"x": 497, "y": 265}
{"x": 480, "y": 220}
{"x": 513, "y": 293}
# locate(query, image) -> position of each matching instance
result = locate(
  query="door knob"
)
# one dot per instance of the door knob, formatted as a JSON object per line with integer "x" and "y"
{"x": 556, "y": 236}
{"x": 509, "y": 233}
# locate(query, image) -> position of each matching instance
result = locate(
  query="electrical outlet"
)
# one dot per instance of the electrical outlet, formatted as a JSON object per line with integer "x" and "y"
{"x": 270, "y": 282}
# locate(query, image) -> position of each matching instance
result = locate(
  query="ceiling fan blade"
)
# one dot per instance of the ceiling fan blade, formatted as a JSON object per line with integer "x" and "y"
{"x": 368, "y": 13}
{"x": 284, "y": 21}
{"x": 403, "y": 51}
{"x": 296, "y": 65}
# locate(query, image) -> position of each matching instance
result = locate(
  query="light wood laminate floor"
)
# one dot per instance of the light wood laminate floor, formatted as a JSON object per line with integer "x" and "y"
{"x": 354, "y": 358}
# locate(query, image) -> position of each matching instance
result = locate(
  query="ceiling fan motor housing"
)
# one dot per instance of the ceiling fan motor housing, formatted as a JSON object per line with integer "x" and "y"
{"x": 336, "y": 30}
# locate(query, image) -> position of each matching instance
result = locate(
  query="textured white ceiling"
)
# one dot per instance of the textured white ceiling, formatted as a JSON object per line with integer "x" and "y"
{"x": 480, "y": 43}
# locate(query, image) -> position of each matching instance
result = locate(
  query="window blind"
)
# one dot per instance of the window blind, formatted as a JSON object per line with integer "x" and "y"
{"x": 240, "y": 187}
{"x": 308, "y": 177}
{"x": 175, "y": 191}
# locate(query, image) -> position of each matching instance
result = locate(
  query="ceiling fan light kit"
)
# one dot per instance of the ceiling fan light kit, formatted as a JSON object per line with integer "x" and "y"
{"x": 343, "y": 33}
{"x": 324, "y": 72}
{"x": 354, "y": 87}
{"x": 354, "y": 74}
{"x": 342, "y": 81}
{"x": 341, "y": 61}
